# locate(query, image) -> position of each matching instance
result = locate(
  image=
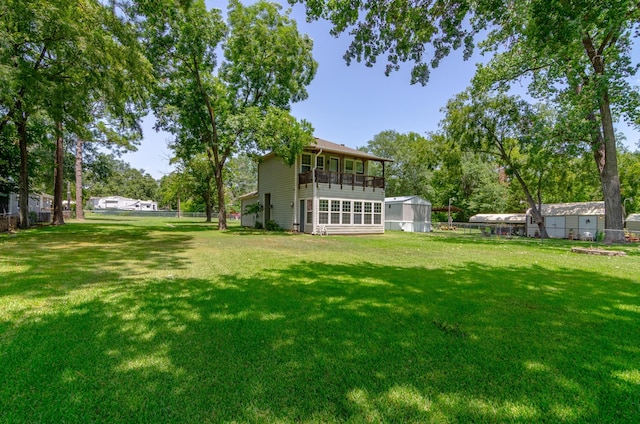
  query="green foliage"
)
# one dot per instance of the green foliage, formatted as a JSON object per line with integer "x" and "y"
{"x": 241, "y": 105}
{"x": 578, "y": 53}
{"x": 630, "y": 180}
{"x": 272, "y": 225}
{"x": 517, "y": 135}
{"x": 9, "y": 162}
{"x": 113, "y": 177}
{"x": 33, "y": 217}
{"x": 414, "y": 160}
{"x": 254, "y": 208}
{"x": 76, "y": 64}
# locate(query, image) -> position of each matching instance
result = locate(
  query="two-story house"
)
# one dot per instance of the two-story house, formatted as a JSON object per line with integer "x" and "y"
{"x": 330, "y": 189}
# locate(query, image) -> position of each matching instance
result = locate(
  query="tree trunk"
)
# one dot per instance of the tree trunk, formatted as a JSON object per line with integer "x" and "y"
{"x": 608, "y": 165}
{"x": 222, "y": 210}
{"x": 58, "y": 217}
{"x": 207, "y": 201}
{"x": 613, "y": 218}
{"x": 79, "y": 209}
{"x": 23, "y": 201}
{"x": 535, "y": 209}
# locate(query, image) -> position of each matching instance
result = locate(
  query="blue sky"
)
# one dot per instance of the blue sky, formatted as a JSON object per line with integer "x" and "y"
{"x": 351, "y": 104}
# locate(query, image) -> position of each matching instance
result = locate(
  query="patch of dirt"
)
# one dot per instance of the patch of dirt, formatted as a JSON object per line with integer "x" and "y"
{"x": 594, "y": 251}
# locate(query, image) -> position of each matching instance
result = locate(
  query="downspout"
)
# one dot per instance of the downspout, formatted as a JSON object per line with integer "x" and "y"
{"x": 296, "y": 185}
{"x": 316, "y": 205}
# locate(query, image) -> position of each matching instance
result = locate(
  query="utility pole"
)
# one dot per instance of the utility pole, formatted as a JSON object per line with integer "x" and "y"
{"x": 450, "y": 223}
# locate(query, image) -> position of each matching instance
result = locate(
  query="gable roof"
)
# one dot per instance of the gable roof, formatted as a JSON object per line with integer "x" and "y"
{"x": 564, "y": 209}
{"x": 329, "y": 147}
{"x": 634, "y": 217}
{"x": 512, "y": 218}
{"x": 249, "y": 195}
{"x": 403, "y": 199}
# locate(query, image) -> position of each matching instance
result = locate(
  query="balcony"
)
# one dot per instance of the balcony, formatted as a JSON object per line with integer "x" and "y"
{"x": 341, "y": 179}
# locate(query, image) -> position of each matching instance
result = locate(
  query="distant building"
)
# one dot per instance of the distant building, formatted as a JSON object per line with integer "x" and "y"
{"x": 501, "y": 223}
{"x": 563, "y": 220}
{"x": 122, "y": 204}
{"x": 39, "y": 203}
{"x": 633, "y": 222}
{"x": 8, "y": 204}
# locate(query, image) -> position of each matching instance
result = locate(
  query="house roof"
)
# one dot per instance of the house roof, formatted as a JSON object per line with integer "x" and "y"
{"x": 566, "y": 209}
{"x": 634, "y": 217}
{"x": 327, "y": 146}
{"x": 510, "y": 218}
{"x": 405, "y": 199}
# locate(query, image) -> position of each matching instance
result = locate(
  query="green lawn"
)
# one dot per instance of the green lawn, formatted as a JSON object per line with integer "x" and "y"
{"x": 167, "y": 320}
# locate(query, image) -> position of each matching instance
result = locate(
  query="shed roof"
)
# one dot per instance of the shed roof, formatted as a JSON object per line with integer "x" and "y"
{"x": 634, "y": 217}
{"x": 568, "y": 209}
{"x": 495, "y": 218}
{"x": 407, "y": 199}
{"x": 248, "y": 195}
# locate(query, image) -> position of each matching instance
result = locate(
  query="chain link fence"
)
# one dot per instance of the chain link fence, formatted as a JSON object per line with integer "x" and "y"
{"x": 505, "y": 230}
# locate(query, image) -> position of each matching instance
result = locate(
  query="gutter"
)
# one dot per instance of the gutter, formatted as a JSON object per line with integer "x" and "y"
{"x": 316, "y": 205}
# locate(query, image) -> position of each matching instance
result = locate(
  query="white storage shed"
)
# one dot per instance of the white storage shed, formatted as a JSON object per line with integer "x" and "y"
{"x": 633, "y": 222}
{"x": 248, "y": 219}
{"x": 565, "y": 219}
{"x": 408, "y": 213}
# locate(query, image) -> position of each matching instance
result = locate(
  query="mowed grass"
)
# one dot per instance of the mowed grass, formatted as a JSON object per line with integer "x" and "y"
{"x": 151, "y": 320}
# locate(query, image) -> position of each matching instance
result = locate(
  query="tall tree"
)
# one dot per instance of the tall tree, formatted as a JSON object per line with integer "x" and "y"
{"x": 414, "y": 160}
{"x": 566, "y": 41}
{"x": 241, "y": 105}
{"x": 57, "y": 57}
{"x": 27, "y": 30}
{"x": 515, "y": 133}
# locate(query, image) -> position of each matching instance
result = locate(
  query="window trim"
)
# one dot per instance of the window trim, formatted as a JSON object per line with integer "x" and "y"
{"x": 346, "y": 163}
{"x": 370, "y": 212}
{"x": 304, "y": 165}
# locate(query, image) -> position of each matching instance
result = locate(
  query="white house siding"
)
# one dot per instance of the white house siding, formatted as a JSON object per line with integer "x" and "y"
{"x": 277, "y": 178}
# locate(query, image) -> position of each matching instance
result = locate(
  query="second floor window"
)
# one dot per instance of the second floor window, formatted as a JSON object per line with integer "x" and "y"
{"x": 348, "y": 166}
{"x": 306, "y": 163}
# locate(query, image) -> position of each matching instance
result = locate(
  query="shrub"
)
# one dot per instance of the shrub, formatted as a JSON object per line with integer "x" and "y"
{"x": 272, "y": 225}
{"x": 258, "y": 225}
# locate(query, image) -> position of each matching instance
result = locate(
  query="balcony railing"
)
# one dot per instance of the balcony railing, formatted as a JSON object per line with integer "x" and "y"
{"x": 342, "y": 179}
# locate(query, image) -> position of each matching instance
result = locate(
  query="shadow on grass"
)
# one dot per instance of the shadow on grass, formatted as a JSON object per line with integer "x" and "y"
{"x": 631, "y": 249}
{"x": 332, "y": 343}
{"x": 53, "y": 260}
